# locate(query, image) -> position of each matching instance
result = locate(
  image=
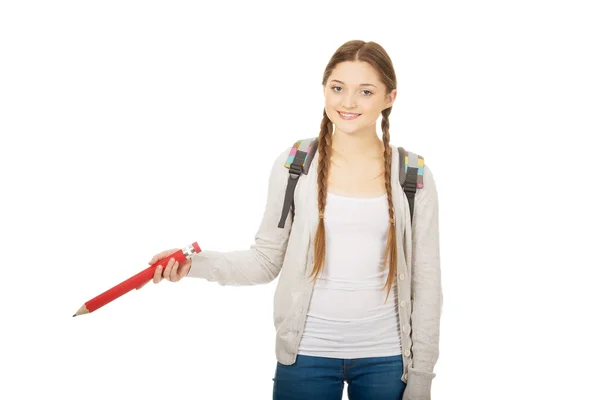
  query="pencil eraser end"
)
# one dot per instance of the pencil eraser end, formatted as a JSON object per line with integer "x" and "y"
{"x": 196, "y": 247}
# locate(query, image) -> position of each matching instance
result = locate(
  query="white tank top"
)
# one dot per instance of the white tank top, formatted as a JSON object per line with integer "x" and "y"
{"x": 347, "y": 317}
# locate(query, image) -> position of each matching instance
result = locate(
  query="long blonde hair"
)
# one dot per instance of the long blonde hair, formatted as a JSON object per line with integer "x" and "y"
{"x": 377, "y": 57}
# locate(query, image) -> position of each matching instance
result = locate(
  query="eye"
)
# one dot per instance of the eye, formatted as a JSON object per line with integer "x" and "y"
{"x": 338, "y": 87}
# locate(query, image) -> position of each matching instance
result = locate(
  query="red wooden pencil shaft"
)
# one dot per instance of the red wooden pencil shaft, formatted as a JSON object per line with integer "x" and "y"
{"x": 137, "y": 280}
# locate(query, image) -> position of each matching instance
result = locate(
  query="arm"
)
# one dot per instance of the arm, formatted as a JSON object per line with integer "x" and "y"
{"x": 426, "y": 293}
{"x": 263, "y": 261}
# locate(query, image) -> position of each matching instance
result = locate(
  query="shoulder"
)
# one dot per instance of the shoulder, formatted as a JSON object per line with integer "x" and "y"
{"x": 409, "y": 155}
{"x": 285, "y": 157}
{"x": 428, "y": 189}
{"x": 302, "y": 147}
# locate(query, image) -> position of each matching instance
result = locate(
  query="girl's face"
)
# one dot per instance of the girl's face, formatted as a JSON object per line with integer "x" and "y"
{"x": 354, "y": 87}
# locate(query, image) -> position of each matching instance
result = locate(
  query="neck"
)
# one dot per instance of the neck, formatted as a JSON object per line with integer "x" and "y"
{"x": 357, "y": 145}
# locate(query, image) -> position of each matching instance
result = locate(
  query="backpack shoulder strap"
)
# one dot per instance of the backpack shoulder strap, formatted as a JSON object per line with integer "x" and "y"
{"x": 298, "y": 162}
{"x": 411, "y": 175}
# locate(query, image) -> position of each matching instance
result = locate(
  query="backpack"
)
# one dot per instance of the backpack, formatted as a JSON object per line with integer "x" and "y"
{"x": 300, "y": 159}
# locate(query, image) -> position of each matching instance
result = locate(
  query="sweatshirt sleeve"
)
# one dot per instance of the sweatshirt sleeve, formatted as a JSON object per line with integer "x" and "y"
{"x": 263, "y": 261}
{"x": 426, "y": 290}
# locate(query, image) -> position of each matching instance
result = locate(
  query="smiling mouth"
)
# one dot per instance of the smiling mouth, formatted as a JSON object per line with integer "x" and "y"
{"x": 348, "y": 116}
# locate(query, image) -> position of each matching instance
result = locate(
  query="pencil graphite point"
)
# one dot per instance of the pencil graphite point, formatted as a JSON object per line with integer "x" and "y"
{"x": 82, "y": 310}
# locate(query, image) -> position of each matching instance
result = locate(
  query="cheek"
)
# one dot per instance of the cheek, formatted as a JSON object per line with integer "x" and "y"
{"x": 329, "y": 101}
{"x": 369, "y": 108}
{"x": 331, "y": 109}
{"x": 331, "y": 113}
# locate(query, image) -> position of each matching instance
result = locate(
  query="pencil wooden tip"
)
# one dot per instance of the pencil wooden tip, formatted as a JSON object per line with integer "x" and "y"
{"x": 82, "y": 310}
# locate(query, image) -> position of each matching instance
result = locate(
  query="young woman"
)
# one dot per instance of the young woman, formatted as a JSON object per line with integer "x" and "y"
{"x": 349, "y": 245}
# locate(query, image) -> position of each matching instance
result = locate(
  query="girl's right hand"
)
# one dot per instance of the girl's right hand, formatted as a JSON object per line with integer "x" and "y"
{"x": 172, "y": 270}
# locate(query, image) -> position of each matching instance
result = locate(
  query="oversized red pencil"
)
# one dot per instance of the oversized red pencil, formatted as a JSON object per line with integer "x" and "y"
{"x": 136, "y": 280}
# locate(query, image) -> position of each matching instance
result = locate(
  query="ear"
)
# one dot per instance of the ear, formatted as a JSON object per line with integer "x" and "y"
{"x": 390, "y": 98}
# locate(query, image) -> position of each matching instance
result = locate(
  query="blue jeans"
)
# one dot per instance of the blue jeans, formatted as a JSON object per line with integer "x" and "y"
{"x": 322, "y": 378}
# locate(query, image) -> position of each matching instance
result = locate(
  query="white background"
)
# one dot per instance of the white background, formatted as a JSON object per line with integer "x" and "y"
{"x": 128, "y": 128}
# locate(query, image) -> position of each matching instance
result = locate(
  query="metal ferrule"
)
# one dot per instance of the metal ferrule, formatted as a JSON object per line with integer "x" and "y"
{"x": 188, "y": 251}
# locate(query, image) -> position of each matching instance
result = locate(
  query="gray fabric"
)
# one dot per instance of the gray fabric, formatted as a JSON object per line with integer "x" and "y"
{"x": 401, "y": 155}
{"x": 287, "y": 253}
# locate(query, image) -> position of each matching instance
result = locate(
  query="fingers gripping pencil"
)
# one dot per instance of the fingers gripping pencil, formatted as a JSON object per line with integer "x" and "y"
{"x": 136, "y": 280}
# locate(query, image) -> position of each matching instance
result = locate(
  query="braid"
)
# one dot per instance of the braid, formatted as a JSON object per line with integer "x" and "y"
{"x": 391, "y": 243}
{"x": 322, "y": 178}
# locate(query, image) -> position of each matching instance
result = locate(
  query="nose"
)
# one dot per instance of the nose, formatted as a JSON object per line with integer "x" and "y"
{"x": 349, "y": 102}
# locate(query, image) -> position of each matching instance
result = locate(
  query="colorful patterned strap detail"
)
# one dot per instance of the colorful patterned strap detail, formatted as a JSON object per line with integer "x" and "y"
{"x": 302, "y": 145}
{"x": 413, "y": 169}
{"x": 414, "y": 160}
{"x": 411, "y": 159}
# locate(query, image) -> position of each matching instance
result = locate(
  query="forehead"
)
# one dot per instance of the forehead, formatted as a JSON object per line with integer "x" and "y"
{"x": 355, "y": 73}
